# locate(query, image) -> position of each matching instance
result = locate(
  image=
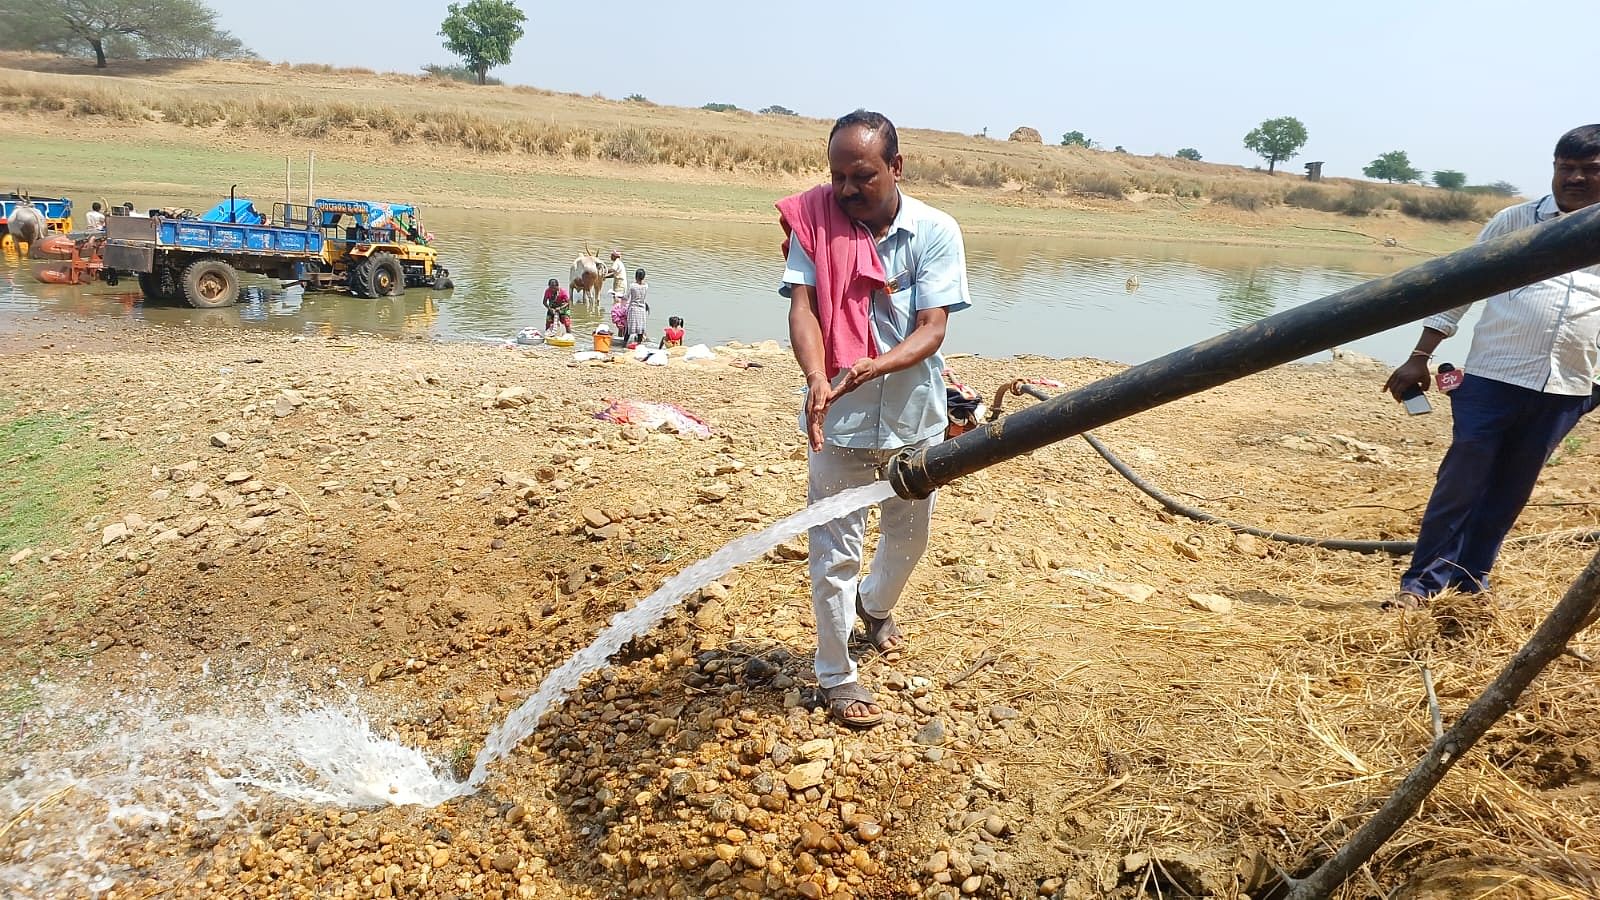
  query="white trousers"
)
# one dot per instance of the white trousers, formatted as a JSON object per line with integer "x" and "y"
{"x": 835, "y": 563}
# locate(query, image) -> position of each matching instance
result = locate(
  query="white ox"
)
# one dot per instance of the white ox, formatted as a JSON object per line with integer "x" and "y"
{"x": 588, "y": 278}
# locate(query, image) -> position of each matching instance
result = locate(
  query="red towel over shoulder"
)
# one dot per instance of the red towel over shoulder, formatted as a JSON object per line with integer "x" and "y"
{"x": 848, "y": 271}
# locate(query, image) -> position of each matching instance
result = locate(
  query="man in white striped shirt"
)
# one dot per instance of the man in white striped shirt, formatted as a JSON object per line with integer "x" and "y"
{"x": 1529, "y": 378}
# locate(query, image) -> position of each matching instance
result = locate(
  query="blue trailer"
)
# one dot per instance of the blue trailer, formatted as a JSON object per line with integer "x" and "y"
{"x": 199, "y": 260}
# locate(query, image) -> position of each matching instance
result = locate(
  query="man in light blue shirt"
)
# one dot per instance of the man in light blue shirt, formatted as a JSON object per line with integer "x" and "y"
{"x": 877, "y": 406}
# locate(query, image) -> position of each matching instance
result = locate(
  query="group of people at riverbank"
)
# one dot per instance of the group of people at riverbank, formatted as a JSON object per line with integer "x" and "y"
{"x": 630, "y": 308}
{"x": 873, "y": 275}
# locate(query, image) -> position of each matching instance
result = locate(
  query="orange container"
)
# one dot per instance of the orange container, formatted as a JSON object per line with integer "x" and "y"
{"x": 602, "y": 342}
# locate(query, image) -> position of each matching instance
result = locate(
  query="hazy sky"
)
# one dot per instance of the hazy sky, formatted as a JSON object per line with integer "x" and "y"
{"x": 1483, "y": 87}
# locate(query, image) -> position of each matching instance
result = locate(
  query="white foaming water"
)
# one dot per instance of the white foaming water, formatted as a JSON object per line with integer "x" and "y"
{"x": 145, "y": 770}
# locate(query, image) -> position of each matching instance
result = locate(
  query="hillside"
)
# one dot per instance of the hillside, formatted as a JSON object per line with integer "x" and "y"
{"x": 187, "y": 126}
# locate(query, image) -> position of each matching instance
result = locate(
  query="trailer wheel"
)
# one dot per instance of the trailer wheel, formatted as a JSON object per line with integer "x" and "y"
{"x": 379, "y": 275}
{"x": 210, "y": 284}
{"x": 162, "y": 284}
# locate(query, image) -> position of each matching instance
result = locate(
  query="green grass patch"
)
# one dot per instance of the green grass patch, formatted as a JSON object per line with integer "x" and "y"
{"x": 49, "y": 469}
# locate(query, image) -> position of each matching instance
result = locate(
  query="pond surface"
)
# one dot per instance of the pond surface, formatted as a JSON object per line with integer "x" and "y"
{"x": 1053, "y": 296}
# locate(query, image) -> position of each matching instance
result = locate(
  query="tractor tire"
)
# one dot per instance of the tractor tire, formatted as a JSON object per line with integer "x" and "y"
{"x": 160, "y": 285}
{"x": 379, "y": 275}
{"x": 210, "y": 284}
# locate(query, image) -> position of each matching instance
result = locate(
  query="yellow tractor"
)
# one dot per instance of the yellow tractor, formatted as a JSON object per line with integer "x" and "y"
{"x": 371, "y": 249}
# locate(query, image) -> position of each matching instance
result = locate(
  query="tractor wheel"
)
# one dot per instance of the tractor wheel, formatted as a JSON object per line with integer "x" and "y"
{"x": 162, "y": 284}
{"x": 210, "y": 284}
{"x": 379, "y": 275}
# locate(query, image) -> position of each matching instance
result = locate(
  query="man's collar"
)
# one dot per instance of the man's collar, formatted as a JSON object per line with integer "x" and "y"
{"x": 1546, "y": 209}
{"x": 904, "y": 220}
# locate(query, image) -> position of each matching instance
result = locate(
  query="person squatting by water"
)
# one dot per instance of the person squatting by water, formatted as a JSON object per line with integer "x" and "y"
{"x": 1529, "y": 378}
{"x": 557, "y": 306}
{"x": 638, "y": 310}
{"x": 673, "y": 336}
{"x": 872, "y": 276}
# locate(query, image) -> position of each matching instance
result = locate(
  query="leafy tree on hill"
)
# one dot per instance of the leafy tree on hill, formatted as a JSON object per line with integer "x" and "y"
{"x": 1189, "y": 153}
{"x": 117, "y": 28}
{"x": 1450, "y": 179}
{"x": 1076, "y": 139}
{"x": 776, "y": 110}
{"x": 1391, "y": 167}
{"x": 482, "y": 32}
{"x": 720, "y": 107}
{"x": 1277, "y": 140}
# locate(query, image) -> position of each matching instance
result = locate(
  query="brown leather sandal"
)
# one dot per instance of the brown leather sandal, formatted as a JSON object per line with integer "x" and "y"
{"x": 881, "y": 631}
{"x": 846, "y": 695}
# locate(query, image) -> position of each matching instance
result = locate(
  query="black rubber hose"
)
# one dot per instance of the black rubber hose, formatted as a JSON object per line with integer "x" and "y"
{"x": 1173, "y": 505}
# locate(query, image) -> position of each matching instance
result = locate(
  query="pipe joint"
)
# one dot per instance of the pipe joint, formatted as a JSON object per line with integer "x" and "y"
{"x": 907, "y": 473}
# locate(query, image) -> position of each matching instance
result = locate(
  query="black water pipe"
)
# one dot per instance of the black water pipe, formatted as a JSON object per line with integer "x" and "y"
{"x": 233, "y": 206}
{"x": 1524, "y": 257}
{"x": 1174, "y": 505}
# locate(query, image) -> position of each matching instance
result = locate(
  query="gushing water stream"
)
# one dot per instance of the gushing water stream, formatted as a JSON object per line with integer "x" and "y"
{"x": 149, "y": 769}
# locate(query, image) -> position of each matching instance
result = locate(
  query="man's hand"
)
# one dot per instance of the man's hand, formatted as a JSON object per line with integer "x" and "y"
{"x": 1412, "y": 373}
{"x": 819, "y": 394}
{"x": 865, "y": 369}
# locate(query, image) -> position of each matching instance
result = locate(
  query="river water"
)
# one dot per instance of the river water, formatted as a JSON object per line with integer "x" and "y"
{"x": 1052, "y": 296}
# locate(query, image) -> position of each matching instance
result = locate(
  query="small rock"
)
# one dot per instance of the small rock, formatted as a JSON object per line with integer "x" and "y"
{"x": 867, "y": 832}
{"x": 806, "y": 775}
{"x": 251, "y": 525}
{"x": 511, "y": 398}
{"x": 441, "y": 858}
{"x": 1050, "y": 886}
{"x": 506, "y": 861}
{"x": 812, "y": 836}
{"x": 282, "y": 408}
{"x": 238, "y": 476}
{"x": 1211, "y": 603}
{"x": 1186, "y": 549}
{"x": 505, "y": 515}
{"x": 821, "y": 748}
{"x": 192, "y": 525}
{"x": 792, "y": 550}
{"x": 938, "y": 862}
{"x": 594, "y": 518}
{"x": 661, "y": 727}
{"x": 21, "y": 556}
{"x": 635, "y": 434}
{"x": 716, "y": 590}
{"x": 971, "y": 885}
{"x": 221, "y": 439}
{"x": 112, "y": 533}
{"x": 715, "y": 493}
{"x": 1001, "y": 713}
{"x": 753, "y": 857}
{"x": 758, "y": 669}
{"x": 610, "y": 532}
{"x": 995, "y": 826}
{"x": 1137, "y": 593}
{"x": 931, "y": 734}
{"x": 160, "y": 495}
{"x": 1249, "y": 545}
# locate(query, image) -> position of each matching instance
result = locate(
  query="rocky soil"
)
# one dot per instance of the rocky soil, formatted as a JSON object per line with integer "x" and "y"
{"x": 1098, "y": 700}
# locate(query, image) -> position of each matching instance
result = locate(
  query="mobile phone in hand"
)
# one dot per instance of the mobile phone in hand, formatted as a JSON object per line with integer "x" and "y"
{"x": 1415, "y": 402}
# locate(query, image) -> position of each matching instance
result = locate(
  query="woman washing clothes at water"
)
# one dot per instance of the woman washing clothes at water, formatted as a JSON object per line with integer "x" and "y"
{"x": 638, "y": 310}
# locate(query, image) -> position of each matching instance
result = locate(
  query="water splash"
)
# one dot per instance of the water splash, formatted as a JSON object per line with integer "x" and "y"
{"x": 144, "y": 768}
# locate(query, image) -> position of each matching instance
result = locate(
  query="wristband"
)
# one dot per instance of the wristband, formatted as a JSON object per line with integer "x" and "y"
{"x": 1416, "y": 353}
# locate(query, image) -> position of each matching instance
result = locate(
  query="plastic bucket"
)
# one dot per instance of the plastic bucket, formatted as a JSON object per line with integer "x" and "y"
{"x": 602, "y": 342}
